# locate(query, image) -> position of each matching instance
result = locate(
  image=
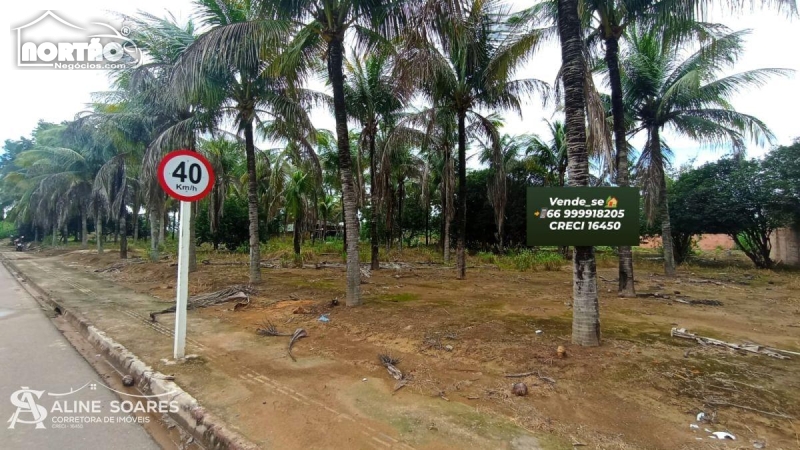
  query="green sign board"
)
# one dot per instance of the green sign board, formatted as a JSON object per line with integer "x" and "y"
{"x": 583, "y": 216}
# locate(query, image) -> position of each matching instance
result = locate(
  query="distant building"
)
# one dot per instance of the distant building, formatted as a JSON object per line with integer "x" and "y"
{"x": 786, "y": 245}
{"x": 705, "y": 242}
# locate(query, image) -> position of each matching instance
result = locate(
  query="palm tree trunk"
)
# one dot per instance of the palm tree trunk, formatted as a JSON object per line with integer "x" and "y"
{"x": 98, "y": 231}
{"x": 162, "y": 232}
{"x": 427, "y": 222}
{"x": 315, "y": 218}
{"x": 155, "y": 225}
{"x": 193, "y": 223}
{"x": 193, "y": 239}
{"x": 389, "y": 216}
{"x": 136, "y": 207}
{"x": 175, "y": 216}
{"x": 461, "y": 211}
{"x": 373, "y": 198}
{"x": 500, "y": 243}
{"x": 84, "y": 229}
{"x": 252, "y": 202}
{"x": 586, "y": 310}
{"x": 123, "y": 238}
{"x": 626, "y": 287}
{"x": 344, "y": 223}
{"x": 446, "y": 199}
{"x": 297, "y": 222}
{"x": 400, "y": 194}
{"x": 666, "y": 230}
{"x": 663, "y": 205}
{"x": 336, "y": 76}
{"x": 55, "y": 237}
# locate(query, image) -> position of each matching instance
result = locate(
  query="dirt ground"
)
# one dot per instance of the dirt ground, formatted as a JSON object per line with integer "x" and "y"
{"x": 457, "y": 341}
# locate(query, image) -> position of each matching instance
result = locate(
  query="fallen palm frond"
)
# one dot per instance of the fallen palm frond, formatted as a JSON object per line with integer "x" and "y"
{"x": 116, "y": 267}
{"x": 268, "y": 329}
{"x": 298, "y": 334}
{"x": 237, "y": 292}
{"x": 389, "y": 362}
{"x": 745, "y": 347}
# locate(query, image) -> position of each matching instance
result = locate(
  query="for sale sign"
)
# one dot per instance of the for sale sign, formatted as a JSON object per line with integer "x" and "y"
{"x": 583, "y": 216}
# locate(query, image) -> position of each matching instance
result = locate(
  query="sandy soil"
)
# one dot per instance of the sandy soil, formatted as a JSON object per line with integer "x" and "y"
{"x": 456, "y": 341}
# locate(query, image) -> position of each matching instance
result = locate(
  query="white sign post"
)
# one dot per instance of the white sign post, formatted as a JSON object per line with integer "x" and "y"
{"x": 183, "y": 280}
{"x": 186, "y": 176}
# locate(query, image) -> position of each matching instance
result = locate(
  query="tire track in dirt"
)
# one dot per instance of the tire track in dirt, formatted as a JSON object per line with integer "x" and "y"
{"x": 253, "y": 377}
{"x": 376, "y": 439}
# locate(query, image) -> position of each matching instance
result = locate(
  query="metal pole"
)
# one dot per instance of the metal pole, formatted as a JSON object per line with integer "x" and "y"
{"x": 183, "y": 281}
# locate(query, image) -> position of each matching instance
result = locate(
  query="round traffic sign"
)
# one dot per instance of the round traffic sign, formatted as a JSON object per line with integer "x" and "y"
{"x": 186, "y": 175}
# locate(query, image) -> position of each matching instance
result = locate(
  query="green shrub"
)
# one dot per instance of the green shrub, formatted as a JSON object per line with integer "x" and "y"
{"x": 7, "y": 229}
{"x": 487, "y": 257}
{"x": 550, "y": 261}
{"x": 537, "y": 260}
{"x": 524, "y": 260}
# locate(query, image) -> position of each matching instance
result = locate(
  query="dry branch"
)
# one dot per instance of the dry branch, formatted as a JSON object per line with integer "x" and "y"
{"x": 268, "y": 329}
{"x": 768, "y": 413}
{"x": 237, "y": 292}
{"x": 532, "y": 373}
{"x": 116, "y": 267}
{"x": 298, "y": 334}
{"x": 389, "y": 362}
{"x": 752, "y": 348}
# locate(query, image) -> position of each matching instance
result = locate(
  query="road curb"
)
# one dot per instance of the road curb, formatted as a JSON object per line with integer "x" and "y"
{"x": 206, "y": 428}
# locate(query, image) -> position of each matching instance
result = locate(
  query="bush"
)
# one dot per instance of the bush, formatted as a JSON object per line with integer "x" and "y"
{"x": 7, "y": 229}
{"x": 487, "y": 258}
{"x": 529, "y": 259}
{"x": 524, "y": 260}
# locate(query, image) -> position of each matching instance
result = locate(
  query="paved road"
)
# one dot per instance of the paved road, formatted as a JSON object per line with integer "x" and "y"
{"x": 35, "y": 355}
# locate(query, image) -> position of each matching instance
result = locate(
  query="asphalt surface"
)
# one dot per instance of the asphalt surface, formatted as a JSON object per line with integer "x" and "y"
{"x": 36, "y": 361}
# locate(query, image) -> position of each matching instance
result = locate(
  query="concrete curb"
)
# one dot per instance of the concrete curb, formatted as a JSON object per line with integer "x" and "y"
{"x": 208, "y": 429}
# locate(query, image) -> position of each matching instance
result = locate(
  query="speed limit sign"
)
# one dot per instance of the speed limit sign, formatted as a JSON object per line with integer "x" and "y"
{"x": 186, "y": 175}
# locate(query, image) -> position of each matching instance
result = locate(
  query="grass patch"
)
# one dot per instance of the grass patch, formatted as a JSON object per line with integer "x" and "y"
{"x": 397, "y": 298}
{"x": 533, "y": 260}
{"x": 552, "y": 325}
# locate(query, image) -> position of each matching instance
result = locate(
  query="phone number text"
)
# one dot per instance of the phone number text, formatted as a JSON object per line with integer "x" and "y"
{"x": 584, "y": 213}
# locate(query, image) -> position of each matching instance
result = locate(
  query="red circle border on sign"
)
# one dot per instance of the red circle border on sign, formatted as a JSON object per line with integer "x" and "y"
{"x": 168, "y": 157}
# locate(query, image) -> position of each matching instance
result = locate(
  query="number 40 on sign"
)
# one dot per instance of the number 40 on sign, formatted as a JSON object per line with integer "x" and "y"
{"x": 186, "y": 175}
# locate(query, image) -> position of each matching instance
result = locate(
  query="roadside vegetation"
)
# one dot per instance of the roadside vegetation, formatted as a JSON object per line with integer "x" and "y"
{"x": 415, "y": 90}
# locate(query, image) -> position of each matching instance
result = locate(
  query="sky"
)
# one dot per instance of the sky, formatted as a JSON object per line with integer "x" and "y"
{"x": 57, "y": 95}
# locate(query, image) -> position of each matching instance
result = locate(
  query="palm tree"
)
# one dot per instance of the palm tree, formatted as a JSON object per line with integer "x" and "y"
{"x": 585, "y": 307}
{"x": 326, "y": 23}
{"x": 465, "y": 57}
{"x": 327, "y": 208}
{"x": 374, "y": 98}
{"x": 172, "y": 124}
{"x": 64, "y": 175}
{"x": 605, "y": 21}
{"x": 685, "y": 95}
{"x": 550, "y": 155}
{"x": 440, "y": 135}
{"x": 497, "y": 188}
{"x": 232, "y": 62}
{"x": 224, "y": 156}
{"x": 297, "y": 192}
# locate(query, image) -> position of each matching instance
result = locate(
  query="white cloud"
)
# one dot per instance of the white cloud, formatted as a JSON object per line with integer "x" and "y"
{"x": 30, "y": 95}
